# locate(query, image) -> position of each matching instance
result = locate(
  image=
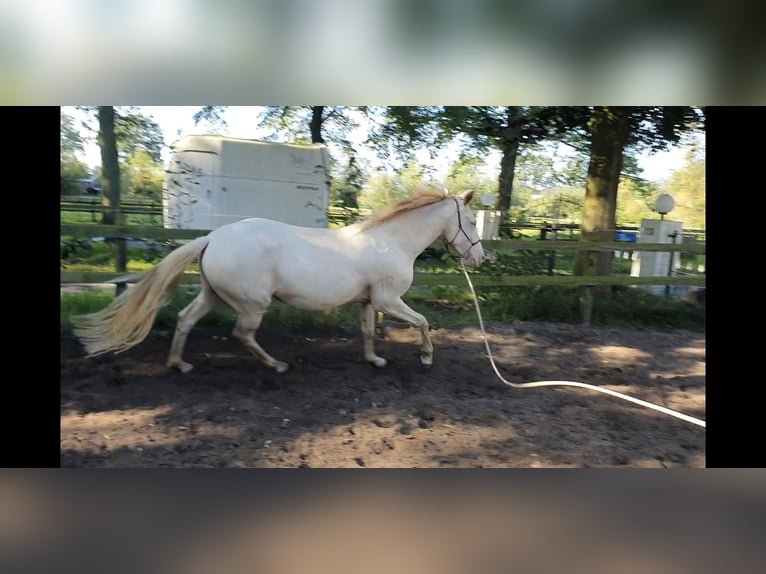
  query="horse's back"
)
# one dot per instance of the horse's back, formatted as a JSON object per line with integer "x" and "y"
{"x": 257, "y": 247}
{"x": 311, "y": 268}
{"x": 258, "y": 227}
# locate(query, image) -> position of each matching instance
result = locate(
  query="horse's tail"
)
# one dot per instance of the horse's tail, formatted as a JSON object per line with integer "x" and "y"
{"x": 127, "y": 320}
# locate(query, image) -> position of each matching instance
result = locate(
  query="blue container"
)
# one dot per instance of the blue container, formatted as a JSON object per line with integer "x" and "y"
{"x": 629, "y": 236}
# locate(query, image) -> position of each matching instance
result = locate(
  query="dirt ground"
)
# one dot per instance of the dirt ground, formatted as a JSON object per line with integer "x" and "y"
{"x": 332, "y": 409}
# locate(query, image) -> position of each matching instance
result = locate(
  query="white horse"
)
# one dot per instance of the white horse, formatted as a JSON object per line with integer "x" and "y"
{"x": 249, "y": 262}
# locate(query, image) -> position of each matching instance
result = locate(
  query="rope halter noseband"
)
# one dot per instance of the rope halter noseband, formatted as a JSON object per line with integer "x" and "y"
{"x": 451, "y": 243}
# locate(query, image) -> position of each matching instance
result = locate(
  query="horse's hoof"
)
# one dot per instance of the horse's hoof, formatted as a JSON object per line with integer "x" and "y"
{"x": 281, "y": 367}
{"x": 181, "y": 366}
{"x": 379, "y": 362}
{"x": 426, "y": 361}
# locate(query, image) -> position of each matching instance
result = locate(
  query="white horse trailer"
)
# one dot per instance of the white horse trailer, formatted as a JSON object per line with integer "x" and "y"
{"x": 214, "y": 180}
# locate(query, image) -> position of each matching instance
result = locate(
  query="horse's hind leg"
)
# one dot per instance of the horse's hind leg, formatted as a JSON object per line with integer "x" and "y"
{"x": 368, "y": 335}
{"x": 245, "y": 329}
{"x": 400, "y": 310}
{"x": 187, "y": 318}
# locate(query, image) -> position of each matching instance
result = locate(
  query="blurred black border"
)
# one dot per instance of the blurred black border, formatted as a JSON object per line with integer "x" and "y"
{"x": 138, "y": 515}
{"x": 733, "y": 181}
{"x": 577, "y": 520}
{"x": 31, "y": 426}
{"x": 730, "y": 408}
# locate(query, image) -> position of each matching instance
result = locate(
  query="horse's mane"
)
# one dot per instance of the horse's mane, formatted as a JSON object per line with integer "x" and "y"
{"x": 420, "y": 199}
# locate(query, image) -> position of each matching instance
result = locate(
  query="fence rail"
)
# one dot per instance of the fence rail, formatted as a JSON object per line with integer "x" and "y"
{"x": 427, "y": 279}
{"x": 134, "y": 205}
{"x": 154, "y": 232}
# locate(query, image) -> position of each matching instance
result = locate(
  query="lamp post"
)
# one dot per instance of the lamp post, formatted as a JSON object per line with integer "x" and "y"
{"x": 665, "y": 204}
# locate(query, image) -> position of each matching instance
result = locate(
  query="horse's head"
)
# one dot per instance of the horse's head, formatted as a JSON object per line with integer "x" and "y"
{"x": 461, "y": 233}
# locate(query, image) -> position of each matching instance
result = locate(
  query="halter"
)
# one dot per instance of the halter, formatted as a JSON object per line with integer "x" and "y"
{"x": 459, "y": 230}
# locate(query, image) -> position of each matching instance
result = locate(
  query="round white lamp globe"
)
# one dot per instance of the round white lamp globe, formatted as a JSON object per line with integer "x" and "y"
{"x": 665, "y": 203}
{"x": 488, "y": 199}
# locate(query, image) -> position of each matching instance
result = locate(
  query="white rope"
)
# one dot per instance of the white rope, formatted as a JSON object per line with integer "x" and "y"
{"x": 670, "y": 412}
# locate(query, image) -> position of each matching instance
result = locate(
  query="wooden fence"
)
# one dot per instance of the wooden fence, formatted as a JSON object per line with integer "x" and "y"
{"x": 93, "y": 205}
{"x": 427, "y": 279}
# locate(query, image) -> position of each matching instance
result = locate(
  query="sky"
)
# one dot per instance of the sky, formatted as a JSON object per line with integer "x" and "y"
{"x": 177, "y": 121}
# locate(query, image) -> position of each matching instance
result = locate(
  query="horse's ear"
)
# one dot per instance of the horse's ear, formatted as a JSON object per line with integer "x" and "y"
{"x": 467, "y": 198}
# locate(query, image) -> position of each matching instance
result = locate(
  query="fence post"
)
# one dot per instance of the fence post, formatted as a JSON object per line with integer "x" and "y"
{"x": 587, "y": 307}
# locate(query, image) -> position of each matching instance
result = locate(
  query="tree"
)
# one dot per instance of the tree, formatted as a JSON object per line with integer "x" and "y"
{"x": 480, "y": 128}
{"x": 635, "y": 200}
{"x": 609, "y": 128}
{"x": 71, "y": 140}
{"x": 548, "y": 184}
{"x": 466, "y": 175}
{"x": 133, "y": 132}
{"x": 310, "y": 124}
{"x": 144, "y": 177}
{"x": 72, "y": 168}
{"x": 211, "y": 116}
{"x": 328, "y": 125}
{"x": 110, "y": 168}
{"x": 385, "y": 188}
{"x": 607, "y": 133}
{"x": 346, "y": 188}
{"x": 611, "y": 131}
{"x": 110, "y": 177}
{"x": 687, "y": 186}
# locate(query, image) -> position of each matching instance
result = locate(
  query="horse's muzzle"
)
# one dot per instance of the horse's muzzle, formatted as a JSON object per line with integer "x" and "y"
{"x": 475, "y": 256}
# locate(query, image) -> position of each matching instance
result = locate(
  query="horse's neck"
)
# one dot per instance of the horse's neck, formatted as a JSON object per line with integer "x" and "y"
{"x": 415, "y": 230}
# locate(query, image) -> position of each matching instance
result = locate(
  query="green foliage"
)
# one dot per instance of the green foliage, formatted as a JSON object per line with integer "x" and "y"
{"x": 398, "y": 131}
{"x": 627, "y": 307}
{"x": 657, "y": 127}
{"x": 531, "y": 304}
{"x": 71, "y": 140}
{"x": 345, "y": 190}
{"x": 635, "y": 201}
{"x": 520, "y": 262}
{"x": 81, "y": 304}
{"x": 78, "y": 217}
{"x": 687, "y": 186}
{"x": 619, "y": 306}
{"x": 134, "y": 132}
{"x": 143, "y": 177}
{"x": 72, "y": 169}
{"x": 467, "y": 174}
{"x": 92, "y": 254}
{"x": 293, "y": 124}
{"x": 636, "y": 307}
{"x": 278, "y": 315}
{"x": 631, "y": 307}
{"x": 385, "y": 188}
{"x": 536, "y": 170}
{"x": 212, "y": 118}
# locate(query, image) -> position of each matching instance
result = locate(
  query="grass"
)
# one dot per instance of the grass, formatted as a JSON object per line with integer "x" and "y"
{"x": 85, "y": 254}
{"x": 81, "y": 218}
{"x": 450, "y": 306}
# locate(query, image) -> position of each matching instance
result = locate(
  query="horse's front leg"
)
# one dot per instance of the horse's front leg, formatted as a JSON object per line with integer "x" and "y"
{"x": 400, "y": 310}
{"x": 368, "y": 335}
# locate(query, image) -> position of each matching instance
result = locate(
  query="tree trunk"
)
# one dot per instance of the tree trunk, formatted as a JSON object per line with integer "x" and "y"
{"x": 510, "y": 147}
{"x": 110, "y": 181}
{"x": 609, "y": 135}
{"x": 316, "y": 124}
